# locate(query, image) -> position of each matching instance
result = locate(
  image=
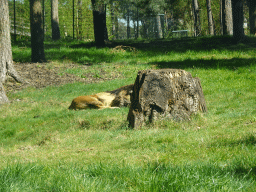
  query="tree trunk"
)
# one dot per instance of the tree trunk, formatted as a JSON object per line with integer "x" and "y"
{"x": 137, "y": 26}
{"x": 226, "y": 17}
{"x": 6, "y": 62}
{"x": 116, "y": 28}
{"x": 134, "y": 28}
{"x": 210, "y": 18}
{"x": 105, "y": 23}
{"x": 113, "y": 29}
{"x": 159, "y": 27}
{"x": 99, "y": 21}
{"x": 128, "y": 23}
{"x": 252, "y": 16}
{"x": 165, "y": 94}
{"x": 37, "y": 33}
{"x": 79, "y": 19}
{"x": 197, "y": 24}
{"x": 238, "y": 19}
{"x": 55, "y": 20}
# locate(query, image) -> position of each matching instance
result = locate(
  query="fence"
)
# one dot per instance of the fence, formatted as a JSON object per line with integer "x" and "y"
{"x": 76, "y": 21}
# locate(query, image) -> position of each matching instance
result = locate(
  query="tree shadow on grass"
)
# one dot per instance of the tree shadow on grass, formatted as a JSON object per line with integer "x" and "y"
{"x": 84, "y": 53}
{"x": 248, "y": 140}
{"x": 159, "y": 47}
{"x": 190, "y": 43}
{"x": 230, "y": 64}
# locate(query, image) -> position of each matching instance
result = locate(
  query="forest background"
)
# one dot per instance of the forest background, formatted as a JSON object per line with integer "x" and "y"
{"x": 124, "y": 20}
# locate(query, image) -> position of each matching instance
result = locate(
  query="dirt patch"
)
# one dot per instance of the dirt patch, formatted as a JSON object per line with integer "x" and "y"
{"x": 40, "y": 75}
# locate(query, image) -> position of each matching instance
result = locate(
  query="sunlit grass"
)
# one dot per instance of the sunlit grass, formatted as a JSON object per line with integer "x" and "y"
{"x": 46, "y": 147}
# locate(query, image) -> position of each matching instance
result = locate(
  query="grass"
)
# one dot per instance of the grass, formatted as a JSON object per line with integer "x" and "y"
{"x": 45, "y": 147}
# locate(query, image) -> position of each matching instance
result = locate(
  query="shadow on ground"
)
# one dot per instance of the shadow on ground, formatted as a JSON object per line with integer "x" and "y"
{"x": 86, "y": 53}
{"x": 231, "y": 64}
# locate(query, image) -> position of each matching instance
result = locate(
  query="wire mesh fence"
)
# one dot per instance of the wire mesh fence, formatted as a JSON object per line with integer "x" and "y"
{"x": 76, "y": 21}
{"x": 124, "y": 21}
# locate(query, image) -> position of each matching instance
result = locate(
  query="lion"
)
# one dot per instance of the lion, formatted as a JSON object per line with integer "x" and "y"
{"x": 109, "y": 99}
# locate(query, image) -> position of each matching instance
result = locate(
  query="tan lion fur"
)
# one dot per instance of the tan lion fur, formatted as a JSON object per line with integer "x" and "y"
{"x": 110, "y": 99}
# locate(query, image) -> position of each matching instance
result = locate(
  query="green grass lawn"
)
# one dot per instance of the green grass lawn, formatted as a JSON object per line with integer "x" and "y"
{"x": 46, "y": 147}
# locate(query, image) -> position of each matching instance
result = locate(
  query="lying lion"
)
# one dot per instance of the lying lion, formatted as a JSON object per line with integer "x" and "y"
{"x": 109, "y": 99}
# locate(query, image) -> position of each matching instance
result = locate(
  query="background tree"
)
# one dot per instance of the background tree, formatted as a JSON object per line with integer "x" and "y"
{"x": 226, "y": 17}
{"x": 55, "y": 20}
{"x": 210, "y": 18}
{"x": 37, "y": 33}
{"x": 99, "y": 22}
{"x": 252, "y": 16}
{"x": 114, "y": 18}
{"x": 6, "y": 62}
{"x": 238, "y": 19}
{"x": 197, "y": 24}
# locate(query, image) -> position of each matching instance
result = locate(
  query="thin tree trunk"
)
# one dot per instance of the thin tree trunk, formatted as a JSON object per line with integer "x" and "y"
{"x": 134, "y": 28}
{"x": 79, "y": 19}
{"x": 128, "y": 23}
{"x": 238, "y": 19}
{"x": 6, "y": 62}
{"x": 37, "y": 33}
{"x": 210, "y": 18}
{"x": 252, "y": 16}
{"x": 227, "y": 19}
{"x": 221, "y": 18}
{"x": 159, "y": 27}
{"x": 105, "y": 24}
{"x": 197, "y": 24}
{"x": 55, "y": 20}
{"x": 112, "y": 19}
{"x": 137, "y": 26}
{"x": 116, "y": 28}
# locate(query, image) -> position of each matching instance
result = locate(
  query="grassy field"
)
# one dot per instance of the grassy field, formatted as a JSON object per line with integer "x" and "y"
{"x": 45, "y": 147}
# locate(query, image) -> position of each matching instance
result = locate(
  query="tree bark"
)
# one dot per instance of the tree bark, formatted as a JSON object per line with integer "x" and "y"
{"x": 210, "y": 18}
{"x": 159, "y": 27}
{"x": 55, "y": 20}
{"x": 252, "y": 16}
{"x": 165, "y": 94}
{"x": 128, "y": 24}
{"x": 197, "y": 24}
{"x": 37, "y": 33}
{"x": 99, "y": 21}
{"x": 79, "y": 19}
{"x": 226, "y": 17}
{"x": 113, "y": 29}
{"x": 6, "y": 62}
{"x": 238, "y": 19}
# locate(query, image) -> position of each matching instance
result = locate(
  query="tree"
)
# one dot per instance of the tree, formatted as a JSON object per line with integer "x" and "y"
{"x": 128, "y": 24}
{"x": 114, "y": 20}
{"x": 226, "y": 17}
{"x": 252, "y": 16}
{"x": 197, "y": 24}
{"x": 99, "y": 21}
{"x": 79, "y": 19}
{"x": 37, "y": 33}
{"x": 6, "y": 62}
{"x": 159, "y": 33}
{"x": 210, "y": 18}
{"x": 55, "y": 20}
{"x": 238, "y": 19}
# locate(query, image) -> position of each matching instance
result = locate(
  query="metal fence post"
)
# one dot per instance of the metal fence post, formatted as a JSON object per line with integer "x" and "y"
{"x": 73, "y": 19}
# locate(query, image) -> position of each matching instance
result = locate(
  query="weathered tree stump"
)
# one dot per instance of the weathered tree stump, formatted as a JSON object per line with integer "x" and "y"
{"x": 165, "y": 93}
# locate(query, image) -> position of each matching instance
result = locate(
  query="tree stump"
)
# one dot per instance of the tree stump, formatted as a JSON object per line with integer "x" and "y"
{"x": 165, "y": 93}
